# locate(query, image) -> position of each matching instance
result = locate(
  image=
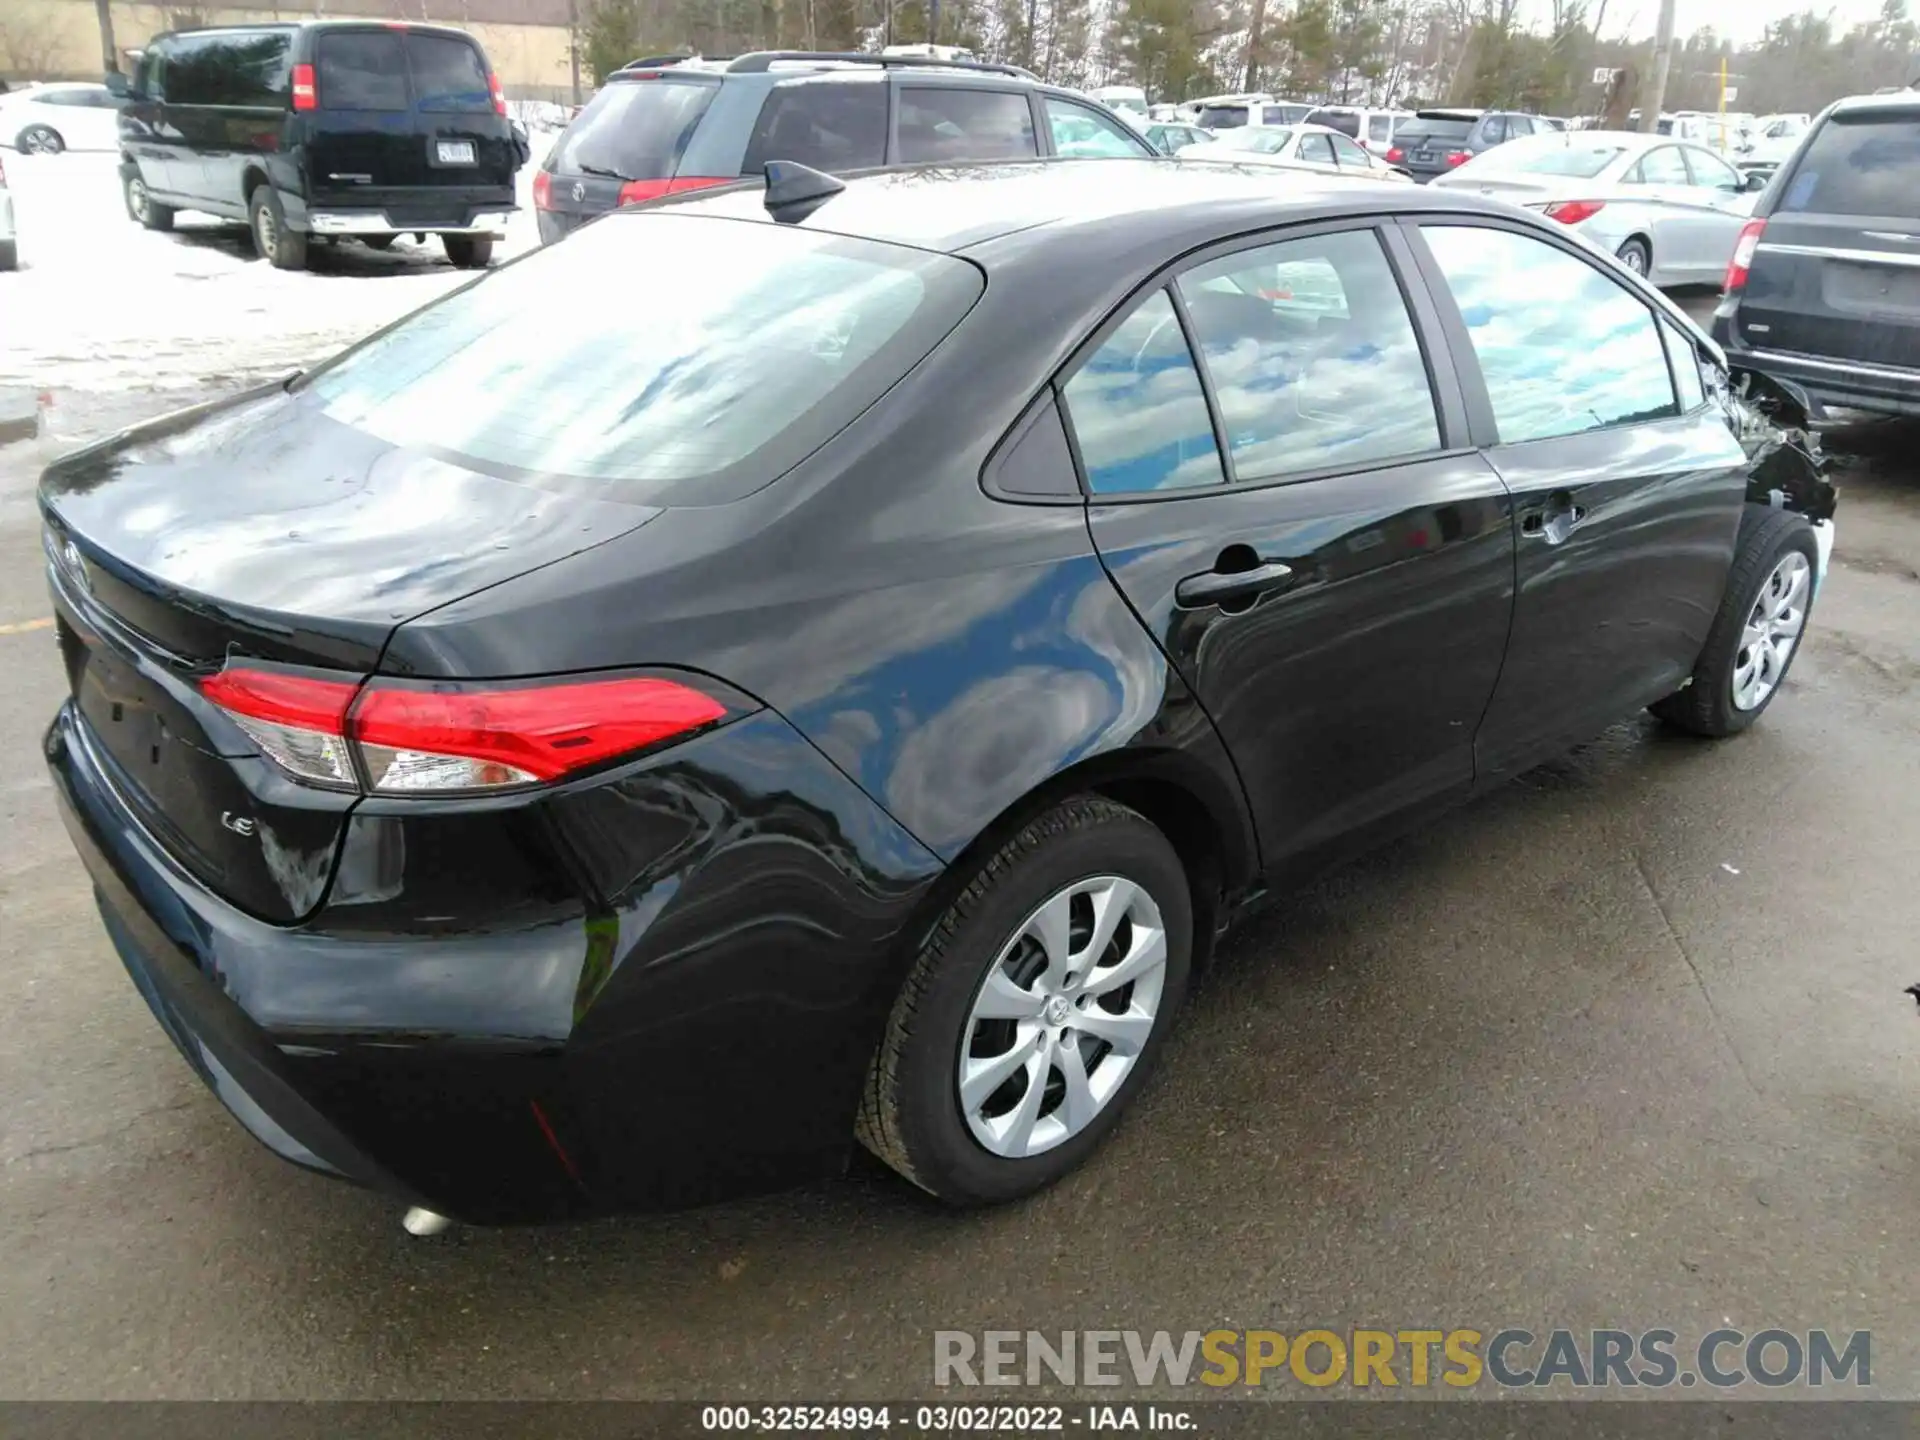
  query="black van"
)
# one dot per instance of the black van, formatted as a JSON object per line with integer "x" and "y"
{"x": 328, "y": 128}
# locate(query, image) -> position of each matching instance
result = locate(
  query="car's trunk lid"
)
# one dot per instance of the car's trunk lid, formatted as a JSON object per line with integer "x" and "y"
{"x": 264, "y": 530}
{"x": 636, "y": 129}
{"x": 1837, "y": 270}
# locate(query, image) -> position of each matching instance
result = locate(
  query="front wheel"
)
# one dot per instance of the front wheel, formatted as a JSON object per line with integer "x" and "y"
{"x": 143, "y": 207}
{"x": 39, "y": 140}
{"x": 1035, "y": 1009}
{"x": 1757, "y": 631}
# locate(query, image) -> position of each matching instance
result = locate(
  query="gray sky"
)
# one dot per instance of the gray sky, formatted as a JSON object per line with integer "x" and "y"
{"x": 1743, "y": 20}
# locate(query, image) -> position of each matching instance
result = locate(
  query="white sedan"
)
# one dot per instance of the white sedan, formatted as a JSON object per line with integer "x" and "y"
{"x": 46, "y": 119}
{"x": 1668, "y": 209}
{"x": 1293, "y": 147}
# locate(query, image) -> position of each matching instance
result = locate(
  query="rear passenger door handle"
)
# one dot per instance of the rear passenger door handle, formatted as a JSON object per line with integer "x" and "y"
{"x": 1554, "y": 521}
{"x": 1216, "y": 587}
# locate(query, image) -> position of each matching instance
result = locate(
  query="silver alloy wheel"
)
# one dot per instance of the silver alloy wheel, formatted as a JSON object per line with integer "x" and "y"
{"x": 1062, "y": 1016}
{"x": 137, "y": 199}
{"x": 266, "y": 235}
{"x": 39, "y": 140}
{"x": 1773, "y": 628}
{"x": 1634, "y": 259}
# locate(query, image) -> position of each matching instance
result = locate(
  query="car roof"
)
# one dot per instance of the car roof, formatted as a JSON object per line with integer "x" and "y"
{"x": 1900, "y": 102}
{"x": 952, "y": 208}
{"x": 367, "y": 22}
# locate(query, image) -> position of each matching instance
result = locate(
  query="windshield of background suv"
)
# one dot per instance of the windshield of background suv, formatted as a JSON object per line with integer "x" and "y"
{"x": 1859, "y": 165}
{"x": 1222, "y": 117}
{"x": 769, "y": 340}
{"x": 635, "y": 129}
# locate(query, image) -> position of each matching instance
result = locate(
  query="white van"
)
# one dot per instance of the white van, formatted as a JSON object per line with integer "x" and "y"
{"x": 1129, "y": 100}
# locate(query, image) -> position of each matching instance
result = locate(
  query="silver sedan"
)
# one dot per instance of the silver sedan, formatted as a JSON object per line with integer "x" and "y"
{"x": 1294, "y": 147}
{"x": 1668, "y": 209}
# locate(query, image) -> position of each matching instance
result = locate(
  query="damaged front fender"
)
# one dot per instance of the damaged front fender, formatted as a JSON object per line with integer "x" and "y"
{"x": 1786, "y": 467}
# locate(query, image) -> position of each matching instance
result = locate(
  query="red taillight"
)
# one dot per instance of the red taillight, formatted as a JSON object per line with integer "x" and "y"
{"x": 542, "y": 190}
{"x": 304, "y": 97}
{"x": 499, "y": 95}
{"x": 1742, "y": 261}
{"x": 1459, "y": 157}
{"x": 1395, "y": 155}
{"x": 426, "y": 738}
{"x": 636, "y": 191}
{"x": 297, "y": 720}
{"x": 1572, "y": 212}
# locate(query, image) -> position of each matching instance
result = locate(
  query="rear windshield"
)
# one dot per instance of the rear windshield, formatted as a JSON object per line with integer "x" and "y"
{"x": 1345, "y": 121}
{"x": 635, "y": 129}
{"x": 1865, "y": 166}
{"x": 1421, "y": 128}
{"x": 769, "y": 340}
{"x": 448, "y": 76}
{"x": 1222, "y": 117}
{"x": 362, "y": 70}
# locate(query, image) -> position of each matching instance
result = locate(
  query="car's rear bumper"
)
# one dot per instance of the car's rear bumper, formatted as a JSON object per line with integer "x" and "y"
{"x": 399, "y": 212}
{"x": 704, "y": 1036}
{"x": 492, "y": 224}
{"x": 1827, "y": 383}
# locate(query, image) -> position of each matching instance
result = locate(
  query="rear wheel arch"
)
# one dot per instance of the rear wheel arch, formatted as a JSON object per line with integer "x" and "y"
{"x": 251, "y": 179}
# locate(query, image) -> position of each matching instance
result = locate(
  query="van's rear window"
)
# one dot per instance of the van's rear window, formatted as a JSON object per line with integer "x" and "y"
{"x": 362, "y": 70}
{"x": 448, "y": 75}
{"x": 1864, "y": 166}
{"x": 768, "y": 341}
{"x": 1222, "y": 117}
{"x": 635, "y": 129}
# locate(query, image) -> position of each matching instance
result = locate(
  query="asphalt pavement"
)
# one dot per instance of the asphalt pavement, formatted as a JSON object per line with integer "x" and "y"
{"x": 1622, "y": 1045}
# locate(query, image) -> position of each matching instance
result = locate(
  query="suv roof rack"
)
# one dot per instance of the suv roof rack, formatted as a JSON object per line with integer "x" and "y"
{"x": 648, "y": 60}
{"x": 763, "y": 60}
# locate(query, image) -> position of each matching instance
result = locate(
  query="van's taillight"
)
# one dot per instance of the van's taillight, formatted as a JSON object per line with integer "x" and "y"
{"x": 635, "y": 191}
{"x": 1742, "y": 260}
{"x": 499, "y": 95}
{"x": 441, "y": 737}
{"x": 304, "y": 97}
{"x": 542, "y": 190}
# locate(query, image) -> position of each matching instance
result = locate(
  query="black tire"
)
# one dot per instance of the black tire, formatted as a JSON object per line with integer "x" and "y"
{"x": 1635, "y": 255}
{"x": 1706, "y": 706}
{"x": 468, "y": 252}
{"x": 280, "y": 247}
{"x": 142, "y": 207}
{"x": 39, "y": 140}
{"x": 378, "y": 242}
{"x": 9, "y": 255}
{"x": 910, "y": 1113}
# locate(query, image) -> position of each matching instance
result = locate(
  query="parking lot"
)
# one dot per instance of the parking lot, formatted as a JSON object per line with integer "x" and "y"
{"x": 1623, "y": 1045}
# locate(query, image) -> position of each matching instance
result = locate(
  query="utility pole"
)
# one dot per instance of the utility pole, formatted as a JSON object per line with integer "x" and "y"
{"x": 573, "y": 45}
{"x": 1656, "y": 92}
{"x": 933, "y": 22}
{"x": 109, "y": 52}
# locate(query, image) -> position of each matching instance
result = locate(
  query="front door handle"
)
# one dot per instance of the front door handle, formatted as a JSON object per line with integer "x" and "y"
{"x": 1223, "y": 587}
{"x": 1554, "y": 521}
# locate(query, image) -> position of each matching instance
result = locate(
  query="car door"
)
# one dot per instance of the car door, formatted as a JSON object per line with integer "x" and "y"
{"x": 1627, "y": 502}
{"x": 150, "y": 139}
{"x": 1316, "y": 150}
{"x": 1722, "y": 204}
{"x": 1336, "y": 590}
{"x": 1662, "y": 186}
{"x": 246, "y": 98}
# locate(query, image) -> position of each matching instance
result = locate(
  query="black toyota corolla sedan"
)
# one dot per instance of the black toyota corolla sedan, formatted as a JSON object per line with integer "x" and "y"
{"x": 824, "y": 662}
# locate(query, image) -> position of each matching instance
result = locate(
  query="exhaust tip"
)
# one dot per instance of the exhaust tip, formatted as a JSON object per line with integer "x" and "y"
{"x": 424, "y": 1222}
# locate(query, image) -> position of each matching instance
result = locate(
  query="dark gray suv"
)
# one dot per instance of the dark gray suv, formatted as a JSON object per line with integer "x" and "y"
{"x": 1436, "y": 141}
{"x": 1823, "y": 294}
{"x": 669, "y": 124}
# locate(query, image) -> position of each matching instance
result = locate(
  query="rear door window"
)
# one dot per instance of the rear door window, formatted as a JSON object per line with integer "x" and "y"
{"x": 1312, "y": 356}
{"x": 1379, "y": 128}
{"x": 1087, "y": 134}
{"x": 635, "y": 129}
{"x": 955, "y": 124}
{"x": 1665, "y": 166}
{"x": 827, "y": 124}
{"x": 1349, "y": 154}
{"x": 1316, "y": 149}
{"x": 448, "y": 75}
{"x": 361, "y": 70}
{"x": 1859, "y": 165}
{"x": 768, "y": 341}
{"x": 1140, "y": 418}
